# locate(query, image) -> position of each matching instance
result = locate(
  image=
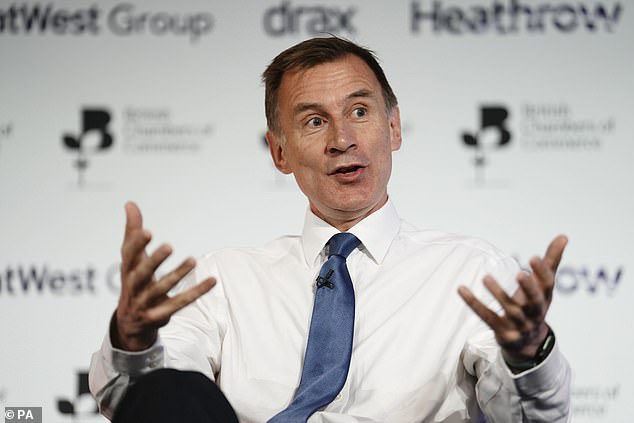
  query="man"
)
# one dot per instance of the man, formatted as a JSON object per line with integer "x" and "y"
{"x": 402, "y": 347}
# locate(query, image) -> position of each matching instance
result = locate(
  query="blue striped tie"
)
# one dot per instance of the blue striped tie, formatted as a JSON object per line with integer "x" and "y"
{"x": 329, "y": 346}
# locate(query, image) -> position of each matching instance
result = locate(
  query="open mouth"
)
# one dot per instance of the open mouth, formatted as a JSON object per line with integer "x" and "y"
{"x": 347, "y": 169}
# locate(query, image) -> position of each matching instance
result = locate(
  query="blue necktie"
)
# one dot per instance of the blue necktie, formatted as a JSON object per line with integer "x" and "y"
{"x": 329, "y": 346}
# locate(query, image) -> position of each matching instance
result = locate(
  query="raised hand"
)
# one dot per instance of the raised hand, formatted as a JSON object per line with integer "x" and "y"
{"x": 522, "y": 328}
{"x": 144, "y": 305}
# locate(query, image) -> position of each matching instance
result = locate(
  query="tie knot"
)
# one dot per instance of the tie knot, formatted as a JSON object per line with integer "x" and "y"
{"x": 342, "y": 244}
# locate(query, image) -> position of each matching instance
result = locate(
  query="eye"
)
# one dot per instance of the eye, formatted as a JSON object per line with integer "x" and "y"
{"x": 315, "y": 122}
{"x": 360, "y": 112}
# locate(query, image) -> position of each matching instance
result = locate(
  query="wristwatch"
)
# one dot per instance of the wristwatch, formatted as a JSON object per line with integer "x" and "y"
{"x": 542, "y": 352}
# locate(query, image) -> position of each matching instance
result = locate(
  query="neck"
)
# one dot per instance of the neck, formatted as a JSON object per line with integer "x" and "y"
{"x": 344, "y": 220}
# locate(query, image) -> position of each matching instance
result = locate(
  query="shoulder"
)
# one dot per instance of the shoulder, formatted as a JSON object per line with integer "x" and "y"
{"x": 281, "y": 248}
{"x": 245, "y": 265}
{"x": 427, "y": 238}
{"x": 460, "y": 252}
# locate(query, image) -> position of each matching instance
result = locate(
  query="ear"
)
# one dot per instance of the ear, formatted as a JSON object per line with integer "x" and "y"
{"x": 395, "y": 128}
{"x": 277, "y": 152}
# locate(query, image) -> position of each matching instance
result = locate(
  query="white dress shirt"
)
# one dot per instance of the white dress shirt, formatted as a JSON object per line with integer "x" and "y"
{"x": 419, "y": 353}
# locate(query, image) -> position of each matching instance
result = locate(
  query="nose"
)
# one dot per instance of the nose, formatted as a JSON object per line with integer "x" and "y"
{"x": 341, "y": 139}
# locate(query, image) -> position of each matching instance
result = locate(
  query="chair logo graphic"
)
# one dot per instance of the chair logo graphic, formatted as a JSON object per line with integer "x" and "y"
{"x": 492, "y": 134}
{"x": 93, "y": 138}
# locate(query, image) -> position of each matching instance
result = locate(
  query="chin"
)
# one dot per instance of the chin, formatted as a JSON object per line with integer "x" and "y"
{"x": 355, "y": 205}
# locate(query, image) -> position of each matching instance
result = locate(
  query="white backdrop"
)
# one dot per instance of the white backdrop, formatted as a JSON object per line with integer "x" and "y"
{"x": 172, "y": 92}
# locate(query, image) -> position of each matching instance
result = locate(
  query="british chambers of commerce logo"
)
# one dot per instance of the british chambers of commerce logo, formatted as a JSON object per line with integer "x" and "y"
{"x": 94, "y": 137}
{"x": 133, "y": 131}
{"x": 81, "y": 408}
{"x": 491, "y": 135}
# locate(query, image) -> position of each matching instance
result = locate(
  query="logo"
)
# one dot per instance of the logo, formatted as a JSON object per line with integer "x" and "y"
{"x": 287, "y": 19}
{"x": 123, "y": 20}
{"x": 492, "y": 134}
{"x": 83, "y": 405}
{"x": 513, "y": 16}
{"x": 154, "y": 130}
{"x": 32, "y": 279}
{"x": 538, "y": 127}
{"x": 43, "y": 279}
{"x": 138, "y": 131}
{"x": 595, "y": 281}
{"x": 572, "y": 280}
{"x": 553, "y": 126}
{"x": 23, "y": 414}
{"x": 94, "y": 137}
{"x": 594, "y": 401}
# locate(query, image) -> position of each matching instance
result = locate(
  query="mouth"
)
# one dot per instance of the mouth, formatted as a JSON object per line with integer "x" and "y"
{"x": 346, "y": 169}
{"x": 348, "y": 173}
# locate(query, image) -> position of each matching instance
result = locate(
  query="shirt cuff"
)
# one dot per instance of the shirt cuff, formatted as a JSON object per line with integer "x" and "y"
{"x": 543, "y": 377}
{"x": 133, "y": 363}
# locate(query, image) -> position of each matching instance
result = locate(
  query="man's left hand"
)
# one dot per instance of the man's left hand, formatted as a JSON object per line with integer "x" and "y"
{"x": 522, "y": 328}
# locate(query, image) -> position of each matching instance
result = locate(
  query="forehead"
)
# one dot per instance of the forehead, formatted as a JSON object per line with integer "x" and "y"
{"x": 327, "y": 83}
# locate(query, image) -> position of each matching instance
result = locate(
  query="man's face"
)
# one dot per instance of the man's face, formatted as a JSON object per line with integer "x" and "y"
{"x": 338, "y": 138}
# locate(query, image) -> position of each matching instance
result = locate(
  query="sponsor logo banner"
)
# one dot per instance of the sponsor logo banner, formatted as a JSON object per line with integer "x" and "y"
{"x": 94, "y": 135}
{"x": 594, "y": 401}
{"x": 535, "y": 127}
{"x": 591, "y": 280}
{"x": 135, "y": 130}
{"x": 492, "y": 134}
{"x": 123, "y": 19}
{"x": 82, "y": 405}
{"x": 513, "y": 16}
{"x": 290, "y": 19}
{"x": 554, "y": 126}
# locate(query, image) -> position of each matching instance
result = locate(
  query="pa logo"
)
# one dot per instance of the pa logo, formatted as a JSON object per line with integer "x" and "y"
{"x": 83, "y": 405}
{"x": 94, "y": 137}
{"x": 492, "y": 135}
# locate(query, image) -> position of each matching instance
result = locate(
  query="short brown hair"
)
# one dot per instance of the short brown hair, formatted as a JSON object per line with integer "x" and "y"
{"x": 308, "y": 54}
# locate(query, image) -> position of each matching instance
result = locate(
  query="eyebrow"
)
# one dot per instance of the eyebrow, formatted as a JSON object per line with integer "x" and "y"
{"x": 302, "y": 107}
{"x": 360, "y": 94}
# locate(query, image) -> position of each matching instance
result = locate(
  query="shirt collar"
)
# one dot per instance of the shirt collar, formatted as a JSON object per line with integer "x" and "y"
{"x": 376, "y": 233}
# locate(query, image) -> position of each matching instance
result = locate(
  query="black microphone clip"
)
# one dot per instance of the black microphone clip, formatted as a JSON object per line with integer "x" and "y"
{"x": 325, "y": 281}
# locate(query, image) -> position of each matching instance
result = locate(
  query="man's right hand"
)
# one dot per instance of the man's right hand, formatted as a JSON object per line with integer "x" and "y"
{"x": 144, "y": 305}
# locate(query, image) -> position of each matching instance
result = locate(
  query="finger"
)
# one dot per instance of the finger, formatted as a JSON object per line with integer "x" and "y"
{"x": 167, "y": 282}
{"x": 163, "y": 311}
{"x": 497, "y": 291}
{"x": 133, "y": 224}
{"x": 133, "y": 249}
{"x": 543, "y": 275}
{"x": 144, "y": 272}
{"x": 487, "y": 315}
{"x": 133, "y": 218}
{"x": 511, "y": 308}
{"x": 533, "y": 294}
{"x": 555, "y": 251}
